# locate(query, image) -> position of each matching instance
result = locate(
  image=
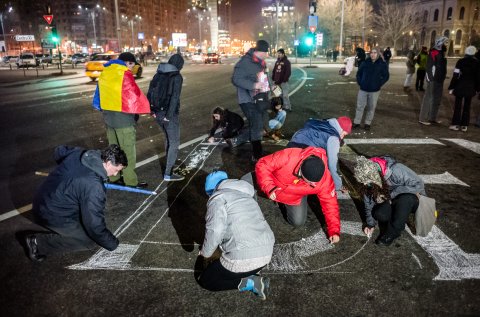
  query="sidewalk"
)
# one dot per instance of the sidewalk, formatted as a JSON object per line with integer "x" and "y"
{"x": 8, "y": 75}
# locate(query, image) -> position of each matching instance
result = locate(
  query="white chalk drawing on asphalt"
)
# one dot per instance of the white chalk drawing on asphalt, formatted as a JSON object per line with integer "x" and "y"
{"x": 393, "y": 141}
{"x": 452, "y": 261}
{"x": 288, "y": 258}
{"x": 417, "y": 260}
{"x": 469, "y": 145}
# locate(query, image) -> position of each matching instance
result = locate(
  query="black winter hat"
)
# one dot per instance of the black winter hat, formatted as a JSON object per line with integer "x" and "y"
{"x": 262, "y": 46}
{"x": 313, "y": 168}
{"x": 127, "y": 57}
{"x": 177, "y": 61}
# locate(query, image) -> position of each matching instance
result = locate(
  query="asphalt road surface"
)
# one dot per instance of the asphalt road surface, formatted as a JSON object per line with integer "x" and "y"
{"x": 152, "y": 272}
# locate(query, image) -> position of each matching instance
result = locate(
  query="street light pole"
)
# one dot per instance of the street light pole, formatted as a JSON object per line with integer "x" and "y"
{"x": 94, "y": 29}
{"x": 3, "y": 32}
{"x": 341, "y": 30}
{"x": 276, "y": 38}
{"x": 117, "y": 20}
{"x": 132, "y": 45}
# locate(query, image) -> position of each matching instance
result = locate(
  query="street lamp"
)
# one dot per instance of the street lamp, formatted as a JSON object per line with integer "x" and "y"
{"x": 92, "y": 14}
{"x": 131, "y": 22}
{"x": 3, "y": 29}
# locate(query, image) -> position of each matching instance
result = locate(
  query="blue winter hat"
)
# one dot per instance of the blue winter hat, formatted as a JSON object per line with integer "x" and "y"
{"x": 212, "y": 181}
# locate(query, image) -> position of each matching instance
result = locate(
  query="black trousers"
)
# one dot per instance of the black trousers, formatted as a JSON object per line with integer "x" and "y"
{"x": 462, "y": 116}
{"x": 420, "y": 79}
{"x": 64, "y": 239}
{"x": 217, "y": 278}
{"x": 392, "y": 217}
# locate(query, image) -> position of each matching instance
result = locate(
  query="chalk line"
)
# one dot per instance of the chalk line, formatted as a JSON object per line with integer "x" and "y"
{"x": 445, "y": 179}
{"x": 417, "y": 260}
{"x": 469, "y": 145}
{"x": 392, "y": 141}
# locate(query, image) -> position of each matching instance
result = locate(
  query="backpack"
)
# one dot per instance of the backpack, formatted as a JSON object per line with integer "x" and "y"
{"x": 160, "y": 91}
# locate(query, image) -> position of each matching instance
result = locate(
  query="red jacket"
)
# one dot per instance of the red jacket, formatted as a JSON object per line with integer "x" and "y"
{"x": 279, "y": 172}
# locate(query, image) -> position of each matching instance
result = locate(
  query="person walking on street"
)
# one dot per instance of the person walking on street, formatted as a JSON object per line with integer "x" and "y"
{"x": 164, "y": 96}
{"x": 280, "y": 76}
{"x": 328, "y": 135}
{"x": 390, "y": 193}
{"x": 290, "y": 175}
{"x": 465, "y": 84}
{"x": 121, "y": 100}
{"x": 421, "y": 60}
{"x": 410, "y": 70}
{"x": 360, "y": 56}
{"x": 436, "y": 71}
{"x": 235, "y": 223}
{"x": 387, "y": 55}
{"x": 335, "y": 55}
{"x": 371, "y": 76}
{"x": 251, "y": 81}
{"x": 71, "y": 202}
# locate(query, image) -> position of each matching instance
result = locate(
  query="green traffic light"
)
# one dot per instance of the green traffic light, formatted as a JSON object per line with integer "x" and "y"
{"x": 309, "y": 41}
{"x": 55, "y": 39}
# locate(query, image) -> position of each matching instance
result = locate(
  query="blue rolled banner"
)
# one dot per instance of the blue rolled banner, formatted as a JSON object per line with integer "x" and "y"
{"x": 129, "y": 189}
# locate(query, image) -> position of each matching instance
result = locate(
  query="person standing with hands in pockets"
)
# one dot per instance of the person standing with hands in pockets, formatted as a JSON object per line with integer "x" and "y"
{"x": 280, "y": 76}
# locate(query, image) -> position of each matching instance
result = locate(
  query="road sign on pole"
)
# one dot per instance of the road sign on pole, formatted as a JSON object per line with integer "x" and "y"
{"x": 24, "y": 38}
{"x": 319, "y": 39}
{"x": 48, "y": 18}
{"x": 312, "y": 23}
{"x": 47, "y": 44}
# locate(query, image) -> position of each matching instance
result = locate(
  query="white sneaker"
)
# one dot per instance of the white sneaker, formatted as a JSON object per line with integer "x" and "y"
{"x": 454, "y": 127}
{"x": 424, "y": 122}
{"x": 464, "y": 128}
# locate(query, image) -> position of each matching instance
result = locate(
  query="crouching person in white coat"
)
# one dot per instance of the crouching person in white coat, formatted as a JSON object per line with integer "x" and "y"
{"x": 235, "y": 223}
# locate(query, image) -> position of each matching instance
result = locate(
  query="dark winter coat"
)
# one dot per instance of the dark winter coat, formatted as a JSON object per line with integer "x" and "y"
{"x": 372, "y": 75}
{"x": 436, "y": 66}
{"x": 74, "y": 193}
{"x": 410, "y": 62}
{"x": 387, "y": 54}
{"x": 232, "y": 123}
{"x": 466, "y": 77}
{"x": 176, "y": 82}
{"x": 245, "y": 76}
{"x": 281, "y": 71}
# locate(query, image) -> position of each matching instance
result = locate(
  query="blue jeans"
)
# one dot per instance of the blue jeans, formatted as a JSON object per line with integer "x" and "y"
{"x": 254, "y": 115}
{"x": 172, "y": 138}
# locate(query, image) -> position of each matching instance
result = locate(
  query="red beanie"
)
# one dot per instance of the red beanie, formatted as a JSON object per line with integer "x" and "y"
{"x": 345, "y": 123}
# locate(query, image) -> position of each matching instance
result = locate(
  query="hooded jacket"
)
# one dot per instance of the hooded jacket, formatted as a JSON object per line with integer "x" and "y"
{"x": 74, "y": 194}
{"x": 399, "y": 178}
{"x": 436, "y": 69}
{"x": 172, "y": 68}
{"x": 279, "y": 172}
{"x": 245, "y": 76}
{"x": 326, "y": 135}
{"x": 235, "y": 222}
{"x": 372, "y": 75}
{"x": 281, "y": 71}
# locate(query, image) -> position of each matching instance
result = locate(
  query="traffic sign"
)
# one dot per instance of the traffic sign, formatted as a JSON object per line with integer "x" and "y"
{"x": 312, "y": 23}
{"x": 48, "y": 18}
{"x": 319, "y": 39}
{"x": 47, "y": 44}
{"x": 24, "y": 38}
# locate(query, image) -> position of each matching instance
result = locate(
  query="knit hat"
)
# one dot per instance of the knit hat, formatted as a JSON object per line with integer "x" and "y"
{"x": 127, "y": 57}
{"x": 212, "y": 181}
{"x": 262, "y": 46}
{"x": 177, "y": 61}
{"x": 439, "y": 42}
{"x": 281, "y": 50}
{"x": 313, "y": 168}
{"x": 345, "y": 123}
{"x": 366, "y": 172}
{"x": 471, "y": 50}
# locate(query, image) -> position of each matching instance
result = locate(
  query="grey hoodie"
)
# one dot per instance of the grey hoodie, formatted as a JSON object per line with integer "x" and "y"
{"x": 235, "y": 222}
{"x": 245, "y": 76}
{"x": 173, "y": 65}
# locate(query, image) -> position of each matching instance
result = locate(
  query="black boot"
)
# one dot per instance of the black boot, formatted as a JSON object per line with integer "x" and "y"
{"x": 257, "y": 149}
{"x": 32, "y": 248}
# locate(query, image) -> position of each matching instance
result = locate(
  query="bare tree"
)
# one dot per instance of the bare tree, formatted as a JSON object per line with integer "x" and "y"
{"x": 396, "y": 18}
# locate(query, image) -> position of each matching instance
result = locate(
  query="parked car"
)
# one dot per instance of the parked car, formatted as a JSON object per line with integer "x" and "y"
{"x": 94, "y": 67}
{"x": 79, "y": 58}
{"x": 46, "y": 59}
{"x": 197, "y": 58}
{"x": 26, "y": 60}
{"x": 213, "y": 58}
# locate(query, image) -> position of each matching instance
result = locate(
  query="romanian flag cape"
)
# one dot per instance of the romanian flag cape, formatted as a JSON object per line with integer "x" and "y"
{"x": 117, "y": 90}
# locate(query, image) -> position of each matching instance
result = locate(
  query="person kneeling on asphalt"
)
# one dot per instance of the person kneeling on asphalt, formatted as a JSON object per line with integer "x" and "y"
{"x": 328, "y": 135}
{"x": 235, "y": 223}
{"x": 71, "y": 202}
{"x": 231, "y": 124}
{"x": 390, "y": 193}
{"x": 290, "y": 175}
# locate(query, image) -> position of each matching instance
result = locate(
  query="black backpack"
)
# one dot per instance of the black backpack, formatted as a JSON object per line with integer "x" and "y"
{"x": 160, "y": 91}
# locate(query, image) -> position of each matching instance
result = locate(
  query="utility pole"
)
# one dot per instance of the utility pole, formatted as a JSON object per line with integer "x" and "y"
{"x": 341, "y": 31}
{"x": 276, "y": 39}
{"x": 117, "y": 20}
{"x": 363, "y": 23}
